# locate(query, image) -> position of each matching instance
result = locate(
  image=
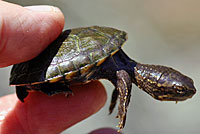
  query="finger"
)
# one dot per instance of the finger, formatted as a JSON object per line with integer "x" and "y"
{"x": 25, "y": 32}
{"x": 51, "y": 115}
{"x": 105, "y": 131}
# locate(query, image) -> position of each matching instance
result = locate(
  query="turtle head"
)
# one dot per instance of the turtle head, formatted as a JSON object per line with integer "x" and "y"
{"x": 164, "y": 83}
{"x": 175, "y": 87}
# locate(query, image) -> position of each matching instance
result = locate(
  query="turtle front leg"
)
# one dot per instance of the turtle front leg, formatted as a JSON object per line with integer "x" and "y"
{"x": 124, "y": 85}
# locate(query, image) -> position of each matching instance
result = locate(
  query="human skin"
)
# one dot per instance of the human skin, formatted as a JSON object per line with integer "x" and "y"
{"x": 24, "y": 33}
{"x": 44, "y": 114}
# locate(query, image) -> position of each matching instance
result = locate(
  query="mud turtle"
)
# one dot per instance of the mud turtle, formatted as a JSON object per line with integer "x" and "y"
{"x": 91, "y": 53}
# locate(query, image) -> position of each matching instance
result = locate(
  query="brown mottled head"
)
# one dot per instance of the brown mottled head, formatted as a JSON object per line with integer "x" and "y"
{"x": 175, "y": 86}
{"x": 164, "y": 83}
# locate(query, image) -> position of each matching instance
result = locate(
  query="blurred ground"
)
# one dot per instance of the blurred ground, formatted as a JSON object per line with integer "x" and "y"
{"x": 160, "y": 32}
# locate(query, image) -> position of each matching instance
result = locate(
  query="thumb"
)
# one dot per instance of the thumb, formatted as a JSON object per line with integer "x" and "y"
{"x": 26, "y": 31}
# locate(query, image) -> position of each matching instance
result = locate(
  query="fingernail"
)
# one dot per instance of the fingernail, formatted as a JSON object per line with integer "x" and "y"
{"x": 43, "y": 8}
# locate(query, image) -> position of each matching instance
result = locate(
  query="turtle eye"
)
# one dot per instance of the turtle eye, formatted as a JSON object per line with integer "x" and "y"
{"x": 180, "y": 91}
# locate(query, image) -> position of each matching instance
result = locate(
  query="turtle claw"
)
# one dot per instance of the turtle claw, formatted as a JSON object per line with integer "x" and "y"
{"x": 68, "y": 92}
{"x": 122, "y": 121}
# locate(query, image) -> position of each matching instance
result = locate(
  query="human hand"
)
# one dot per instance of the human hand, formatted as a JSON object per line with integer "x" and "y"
{"x": 42, "y": 114}
{"x": 24, "y": 33}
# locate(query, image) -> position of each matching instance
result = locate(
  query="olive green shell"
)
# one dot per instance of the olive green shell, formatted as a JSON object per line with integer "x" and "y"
{"x": 74, "y": 54}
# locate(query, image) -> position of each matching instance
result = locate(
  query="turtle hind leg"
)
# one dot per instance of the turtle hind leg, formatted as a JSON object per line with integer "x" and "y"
{"x": 124, "y": 85}
{"x": 21, "y": 93}
{"x": 113, "y": 100}
{"x": 55, "y": 88}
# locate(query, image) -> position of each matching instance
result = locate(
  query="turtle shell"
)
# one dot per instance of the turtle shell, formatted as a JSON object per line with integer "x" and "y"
{"x": 74, "y": 55}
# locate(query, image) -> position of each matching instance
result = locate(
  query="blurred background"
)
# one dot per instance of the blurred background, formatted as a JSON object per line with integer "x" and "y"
{"x": 160, "y": 32}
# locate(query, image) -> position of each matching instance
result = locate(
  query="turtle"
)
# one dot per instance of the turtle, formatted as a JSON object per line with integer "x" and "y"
{"x": 84, "y": 54}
